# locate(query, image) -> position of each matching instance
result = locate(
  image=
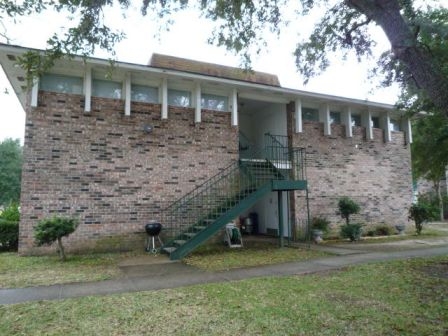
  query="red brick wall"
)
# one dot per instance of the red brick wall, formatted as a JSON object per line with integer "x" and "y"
{"x": 374, "y": 173}
{"x": 104, "y": 169}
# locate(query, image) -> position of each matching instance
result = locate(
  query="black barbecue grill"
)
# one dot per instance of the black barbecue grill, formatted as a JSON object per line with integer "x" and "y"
{"x": 153, "y": 230}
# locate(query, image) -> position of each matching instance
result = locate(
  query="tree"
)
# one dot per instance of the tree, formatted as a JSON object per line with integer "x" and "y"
{"x": 10, "y": 171}
{"x": 430, "y": 152}
{"x": 347, "y": 207}
{"x": 49, "y": 230}
{"x": 242, "y": 24}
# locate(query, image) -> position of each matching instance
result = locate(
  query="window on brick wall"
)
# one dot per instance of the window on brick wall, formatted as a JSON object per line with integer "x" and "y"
{"x": 179, "y": 98}
{"x": 106, "y": 89}
{"x": 356, "y": 120}
{"x": 375, "y": 122}
{"x": 214, "y": 102}
{"x": 335, "y": 117}
{"x": 61, "y": 83}
{"x": 310, "y": 114}
{"x": 144, "y": 93}
{"x": 394, "y": 125}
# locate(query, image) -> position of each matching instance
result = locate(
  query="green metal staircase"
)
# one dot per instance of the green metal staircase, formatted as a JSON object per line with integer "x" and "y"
{"x": 200, "y": 214}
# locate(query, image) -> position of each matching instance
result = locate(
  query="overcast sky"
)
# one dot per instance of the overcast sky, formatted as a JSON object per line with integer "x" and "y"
{"x": 188, "y": 38}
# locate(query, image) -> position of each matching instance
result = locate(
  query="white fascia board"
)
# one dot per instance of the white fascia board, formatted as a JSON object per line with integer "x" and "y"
{"x": 324, "y": 116}
{"x": 197, "y": 110}
{"x": 346, "y": 120}
{"x": 298, "y": 116}
{"x": 241, "y": 86}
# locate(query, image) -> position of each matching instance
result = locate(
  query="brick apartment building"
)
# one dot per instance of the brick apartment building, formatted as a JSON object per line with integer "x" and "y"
{"x": 118, "y": 147}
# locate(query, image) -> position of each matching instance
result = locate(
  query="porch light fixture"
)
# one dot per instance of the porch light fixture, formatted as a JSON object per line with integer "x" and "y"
{"x": 148, "y": 128}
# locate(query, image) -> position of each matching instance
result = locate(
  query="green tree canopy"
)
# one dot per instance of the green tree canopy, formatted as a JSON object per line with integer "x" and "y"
{"x": 242, "y": 24}
{"x": 10, "y": 171}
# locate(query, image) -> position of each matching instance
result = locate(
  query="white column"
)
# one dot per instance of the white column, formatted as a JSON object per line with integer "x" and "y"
{"x": 127, "y": 95}
{"x": 366, "y": 121}
{"x": 346, "y": 119}
{"x": 88, "y": 89}
{"x": 298, "y": 115}
{"x": 234, "y": 108}
{"x": 34, "y": 92}
{"x": 324, "y": 116}
{"x": 197, "y": 111}
{"x": 385, "y": 126}
{"x": 164, "y": 99}
{"x": 406, "y": 127}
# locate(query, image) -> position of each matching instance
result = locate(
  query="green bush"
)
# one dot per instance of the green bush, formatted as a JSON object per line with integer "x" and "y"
{"x": 320, "y": 223}
{"x": 347, "y": 207}
{"x": 351, "y": 231}
{"x": 420, "y": 213}
{"x": 383, "y": 230}
{"x": 49, "y": 230}
{"x": 9, "y": 228}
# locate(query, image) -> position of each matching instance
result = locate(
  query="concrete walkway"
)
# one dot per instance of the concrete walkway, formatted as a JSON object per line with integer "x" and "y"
{"x": 168, "y": 274}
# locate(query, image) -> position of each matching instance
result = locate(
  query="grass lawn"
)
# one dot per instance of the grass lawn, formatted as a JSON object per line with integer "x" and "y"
{"x": 18, "y": 271}
{"x": 406, "y": 297}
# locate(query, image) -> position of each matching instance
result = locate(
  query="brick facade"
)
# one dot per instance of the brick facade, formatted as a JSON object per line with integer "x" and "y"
{"x": 375, "y": 173}
{"x": 104, "y": 169}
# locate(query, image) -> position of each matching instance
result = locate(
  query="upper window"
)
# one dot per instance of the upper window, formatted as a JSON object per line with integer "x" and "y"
{"x": 179, "y": 98}
{"x": 61, "y": 83}
{"x": 356, "y": 120}
{"x": 106, "y": 89}
{"x": 335, "y": 117}
{"x": 310, "y": 114}
{"x": 394, "y": 125}
{"x": 214, "y": 102}
{"x": 145, "y": 94}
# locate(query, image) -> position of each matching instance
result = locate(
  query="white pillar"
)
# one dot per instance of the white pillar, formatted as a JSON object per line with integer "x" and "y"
{"x": 197, "y": 111}
{"x": 127, "y": 95}
{"x": 298, "y": 115}
{"x": 34, "y": 92}
{"x": 385, "y": 125}
{"x": 164, "y": 99}
{"x": 346, "y": 117}
{"x": 406, "y": 127}
{"x": 88, "y": 89}
{"x": 234, "y": 108}
{"x": 366, "y": 121}
{"x": 324, "y": 116}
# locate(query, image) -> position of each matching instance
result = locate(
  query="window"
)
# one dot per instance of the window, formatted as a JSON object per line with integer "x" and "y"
{"x": 375, "y": 122}
{"x": 310, "y": 114}
{"x": 61, "y": 83}
{"x": 106, "y": 89}
{"x": 356, "y": 120}
{"x": 335, "y": 117}
{"x": 394, "y": 125}
{"x": 214, "y": 102}
{"x": 179, "y": 98}
{"x": 144, "y": 93}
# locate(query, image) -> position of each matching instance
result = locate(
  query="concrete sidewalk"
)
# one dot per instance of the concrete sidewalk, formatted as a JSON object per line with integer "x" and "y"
{"x": 168, "y": 274}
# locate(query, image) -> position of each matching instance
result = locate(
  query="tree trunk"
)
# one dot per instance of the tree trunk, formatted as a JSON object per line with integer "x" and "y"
{"x": 405, "y": 47}
{"x": 440, "y": 200}
{"x": 61, "y": 249}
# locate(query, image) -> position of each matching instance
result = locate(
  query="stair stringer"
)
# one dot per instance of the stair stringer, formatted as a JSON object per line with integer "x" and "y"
{"x": 225, "y": 218}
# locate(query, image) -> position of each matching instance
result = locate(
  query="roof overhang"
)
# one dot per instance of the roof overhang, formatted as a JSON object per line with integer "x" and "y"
{"x": 9, "y": 55}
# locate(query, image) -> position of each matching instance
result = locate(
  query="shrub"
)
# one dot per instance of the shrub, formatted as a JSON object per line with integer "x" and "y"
{"x": 320, "y": 223}
{"x": 421, "y": 212}
{"x": 347, "y": 207}
{"x": 49, "y": 230}
{"x": 351, "y": 231}
{"x": 9, "y": 228}
{"x": 383, "y": 230}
